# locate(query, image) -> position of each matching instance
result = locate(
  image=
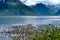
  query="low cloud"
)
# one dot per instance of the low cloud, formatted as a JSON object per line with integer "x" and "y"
{"x": 34, "y": 2}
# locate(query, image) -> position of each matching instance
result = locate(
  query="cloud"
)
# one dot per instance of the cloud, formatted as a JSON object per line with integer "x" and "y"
{"x": 55, "y": 1}
{"x": 34, "y": 2}
{"x": 30, "y": 2}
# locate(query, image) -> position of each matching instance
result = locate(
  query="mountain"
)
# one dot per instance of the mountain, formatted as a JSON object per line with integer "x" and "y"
{"x": 3, "y": 5}
{"x": 43, "y": 9}
{"x": 56, "y": 8}
{"x": 58, "y": 12}
{"x": 15, "y": 7}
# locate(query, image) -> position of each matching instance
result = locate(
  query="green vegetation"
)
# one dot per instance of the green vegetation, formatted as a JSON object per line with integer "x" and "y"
{"x": 47, "y": 32}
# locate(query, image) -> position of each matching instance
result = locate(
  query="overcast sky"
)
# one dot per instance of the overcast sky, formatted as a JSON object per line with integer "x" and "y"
{"x": 34, "y": 2}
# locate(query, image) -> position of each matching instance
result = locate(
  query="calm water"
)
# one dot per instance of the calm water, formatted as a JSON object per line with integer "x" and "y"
{"x": 18, "y": 20}
{"x": 7, "y": 21}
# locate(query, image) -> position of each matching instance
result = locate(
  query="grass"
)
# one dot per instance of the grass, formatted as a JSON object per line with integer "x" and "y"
{"x": 49, "y": 33}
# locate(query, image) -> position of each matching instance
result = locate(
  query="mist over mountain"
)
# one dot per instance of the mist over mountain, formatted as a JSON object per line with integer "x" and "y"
{"x": 16, "y": 7}
{"x": 43, "y": 9}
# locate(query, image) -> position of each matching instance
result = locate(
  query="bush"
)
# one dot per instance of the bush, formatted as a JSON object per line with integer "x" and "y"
{"x": 47, "y": 34}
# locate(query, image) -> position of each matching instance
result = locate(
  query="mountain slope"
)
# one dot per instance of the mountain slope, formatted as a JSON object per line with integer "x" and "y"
{"x": 15, "y": 8}
{"x": 58, "y": 12}
{"x": 42, "y": 9}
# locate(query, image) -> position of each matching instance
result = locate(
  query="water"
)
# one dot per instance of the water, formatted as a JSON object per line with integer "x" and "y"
{"x": 5, "y": 38}
{"x": 8, "y": 21}
{"x": 15, "y": 20}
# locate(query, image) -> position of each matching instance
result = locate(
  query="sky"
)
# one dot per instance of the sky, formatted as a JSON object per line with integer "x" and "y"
{"x": 34, "y": 2}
